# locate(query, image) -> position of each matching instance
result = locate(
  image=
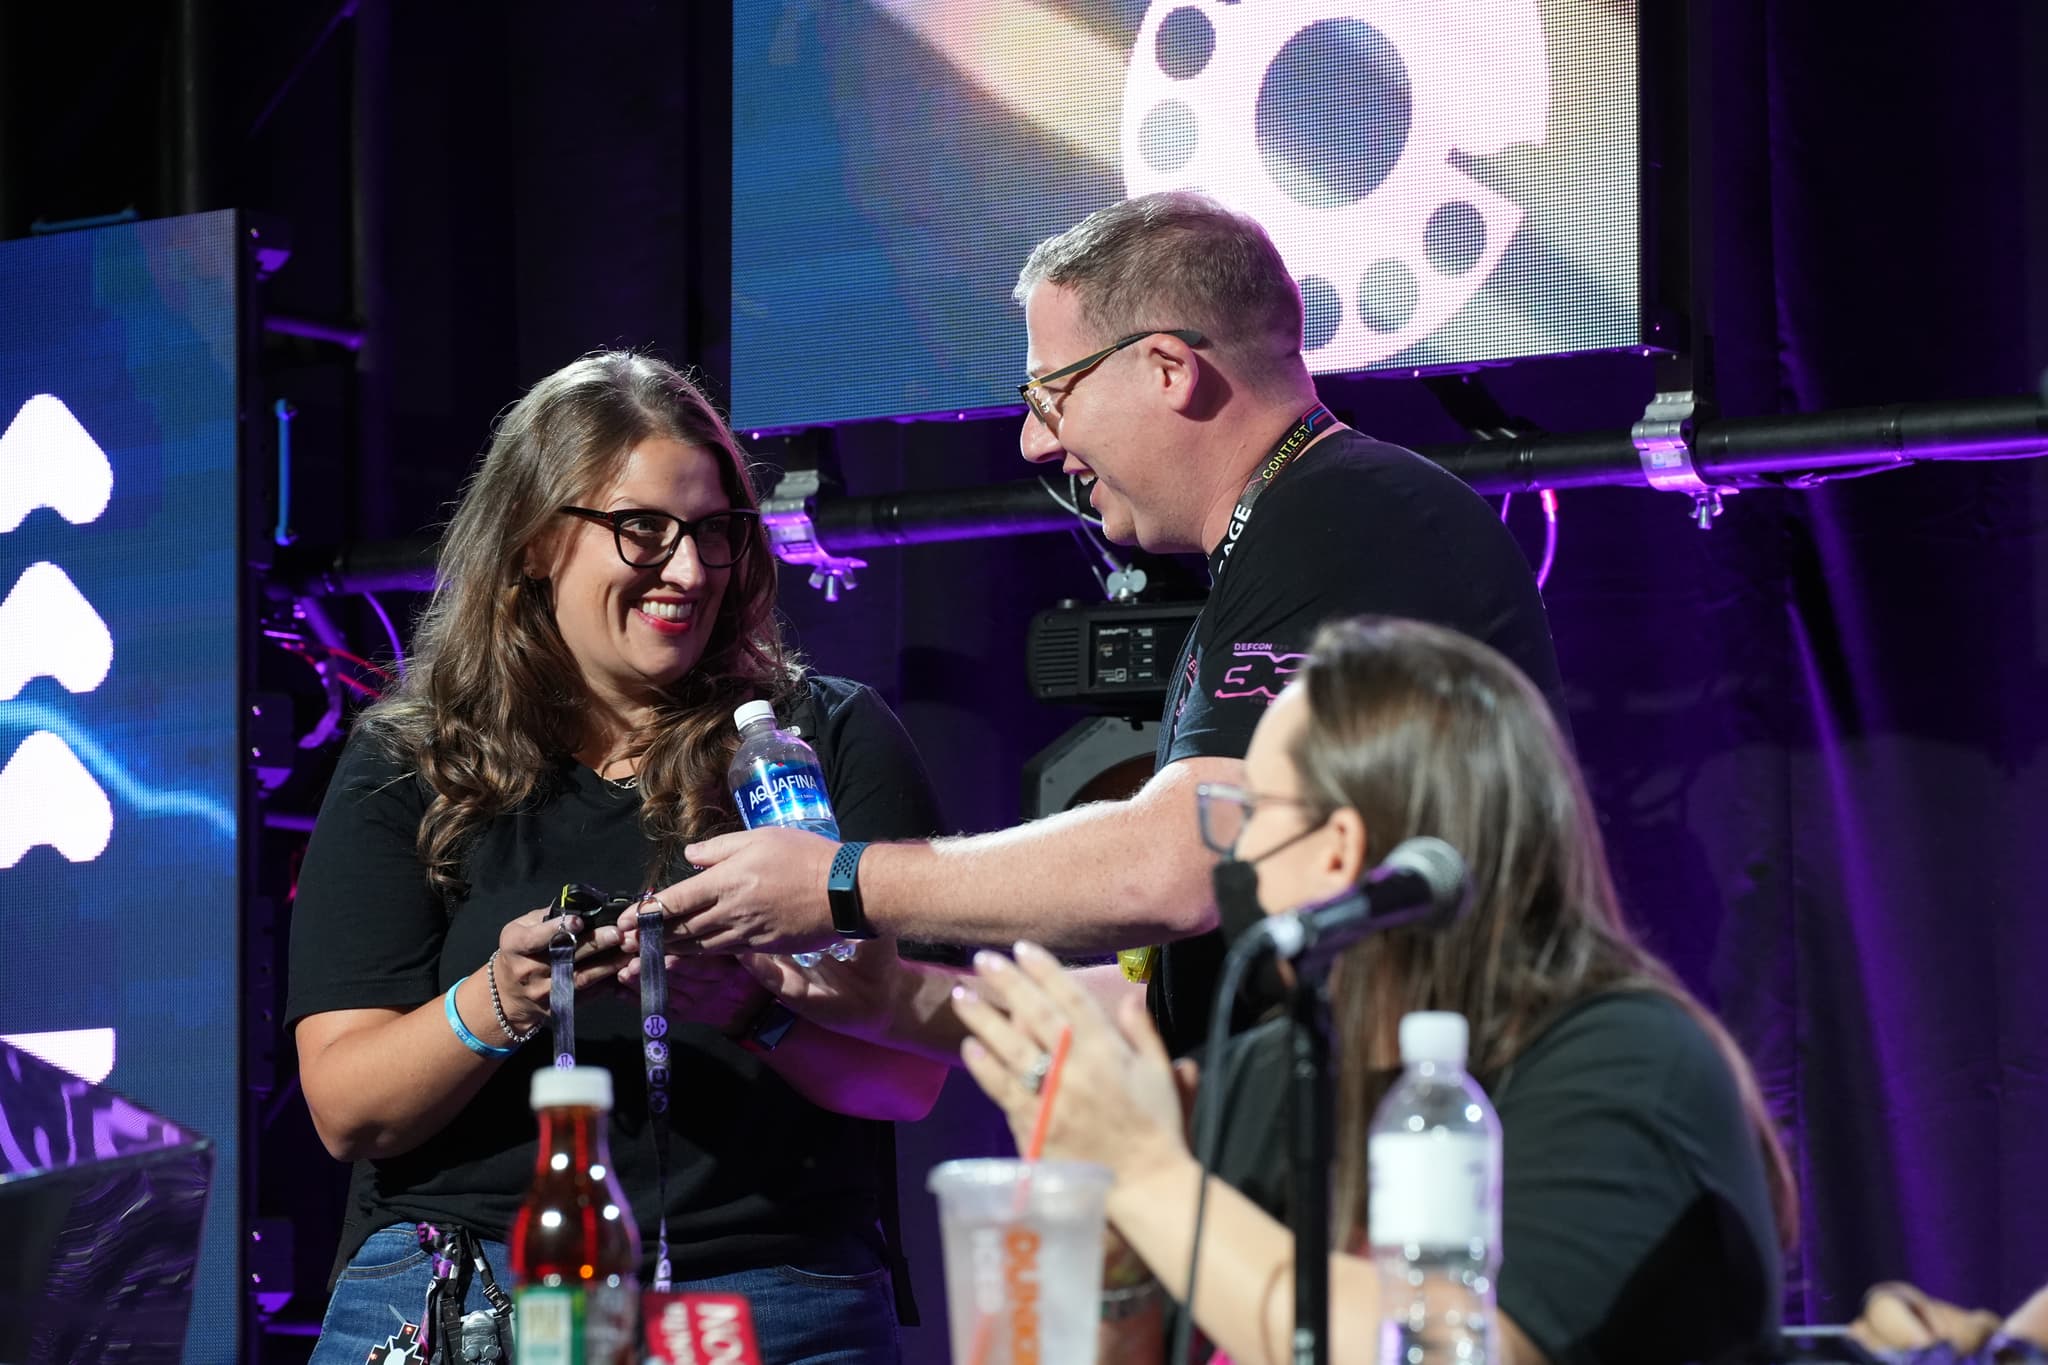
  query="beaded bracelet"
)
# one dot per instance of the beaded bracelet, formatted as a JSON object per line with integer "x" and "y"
{"x": 498, "y": 1008}
{"x": 468, "y": 1039}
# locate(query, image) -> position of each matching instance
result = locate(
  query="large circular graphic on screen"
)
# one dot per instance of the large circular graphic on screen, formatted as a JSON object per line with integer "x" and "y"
{"x": 1338, "y": 124}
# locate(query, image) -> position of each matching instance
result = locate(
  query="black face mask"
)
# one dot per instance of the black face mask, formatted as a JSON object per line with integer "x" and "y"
{"x": 1234, "y": 881}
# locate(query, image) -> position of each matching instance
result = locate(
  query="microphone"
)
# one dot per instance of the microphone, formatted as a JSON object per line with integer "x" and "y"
{"x": 1422, "y": 881}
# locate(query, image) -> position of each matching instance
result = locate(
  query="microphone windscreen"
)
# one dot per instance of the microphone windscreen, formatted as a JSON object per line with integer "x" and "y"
{"x": 1438, "y": 864}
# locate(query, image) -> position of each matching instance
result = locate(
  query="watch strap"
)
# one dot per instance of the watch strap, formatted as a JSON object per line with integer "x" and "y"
{"x": 842, "y": 889}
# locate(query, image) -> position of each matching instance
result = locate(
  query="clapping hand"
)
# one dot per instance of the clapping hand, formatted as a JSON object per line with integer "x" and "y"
{"x": 1119, "y": 1104}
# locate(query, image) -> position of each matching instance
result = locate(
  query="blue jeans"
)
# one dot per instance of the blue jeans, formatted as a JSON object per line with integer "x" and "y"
{"x": 837, "y": 1309}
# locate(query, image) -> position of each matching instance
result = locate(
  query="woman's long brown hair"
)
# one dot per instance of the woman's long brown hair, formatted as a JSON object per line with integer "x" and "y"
{"x": 1426, "y": 732}
{"x": 493, "y": 699}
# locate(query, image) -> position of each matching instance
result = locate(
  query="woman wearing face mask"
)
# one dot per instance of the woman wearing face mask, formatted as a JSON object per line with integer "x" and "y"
{"x": 606, "y": 599}
{"x": 1645, "y": 1196}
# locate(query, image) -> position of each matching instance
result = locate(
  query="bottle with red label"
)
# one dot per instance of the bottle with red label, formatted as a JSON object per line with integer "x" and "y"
{"x": 575, "y": 1247}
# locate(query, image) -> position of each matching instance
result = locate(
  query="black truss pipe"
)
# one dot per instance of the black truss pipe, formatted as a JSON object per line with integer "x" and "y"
{"x": 1997, "y": 429}
{"x": 1736, "y": 452}
{"x": 1759, "y": 451}
{"x": 376, "y": 566}
{"x": 1005, "y": 509}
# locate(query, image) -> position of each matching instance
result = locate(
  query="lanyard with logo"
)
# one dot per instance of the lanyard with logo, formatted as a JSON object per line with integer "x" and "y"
{"x": 1137, "y": 963}
{"x": 589, "y": 903}
{"x": 1312, "y": 424}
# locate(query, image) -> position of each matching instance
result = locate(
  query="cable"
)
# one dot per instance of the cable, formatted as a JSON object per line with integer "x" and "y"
{"x": 1547, "y": 497}
{"x": 1088, "y": 553}
{"x": 358, "y": 660}
{"x": 1209, "y": 1106}
{"x": 1066, "y": 505}
{"x": 1086, "y": 527}
{"x": 390, "y": 632}
{"x": 1071, "y": 504}
{"x": 311, "y": 651}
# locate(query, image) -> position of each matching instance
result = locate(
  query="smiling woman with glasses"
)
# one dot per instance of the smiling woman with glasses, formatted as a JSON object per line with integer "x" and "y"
{"x": 567, "y": 717}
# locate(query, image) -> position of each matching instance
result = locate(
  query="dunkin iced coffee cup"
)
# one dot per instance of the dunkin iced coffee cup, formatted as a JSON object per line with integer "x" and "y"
{"x": 1023, "y": 1244}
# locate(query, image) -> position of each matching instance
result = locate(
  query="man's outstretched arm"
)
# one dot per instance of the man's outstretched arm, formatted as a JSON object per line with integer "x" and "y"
{"x": 1115, "y": 874}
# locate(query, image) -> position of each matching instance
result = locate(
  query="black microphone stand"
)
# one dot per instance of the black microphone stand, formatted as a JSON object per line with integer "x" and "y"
{"x": 1311, "y": 1111}
{"x": 1311, "y": 940}
{"x": 1312, "y": 1142}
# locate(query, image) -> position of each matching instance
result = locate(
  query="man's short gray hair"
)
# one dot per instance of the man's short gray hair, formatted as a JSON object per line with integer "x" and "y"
{"x": 1175, "y": 259}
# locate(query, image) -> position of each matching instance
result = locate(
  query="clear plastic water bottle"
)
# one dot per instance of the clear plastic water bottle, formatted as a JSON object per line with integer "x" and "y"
{"x": 775, "y": 780}
{"x": 1434, "y": 1223}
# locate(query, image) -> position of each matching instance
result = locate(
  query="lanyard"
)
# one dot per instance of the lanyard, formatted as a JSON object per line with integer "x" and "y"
{"x": 1312, "y": 423}
{"x": 653, "y": 1034}
{"x": 654, "y": 1056}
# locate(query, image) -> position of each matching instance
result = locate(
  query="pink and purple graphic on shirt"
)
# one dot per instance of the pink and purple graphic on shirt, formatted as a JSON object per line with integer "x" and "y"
{"x": 1189, "y": 677}
{"x": 1258, "y": 670}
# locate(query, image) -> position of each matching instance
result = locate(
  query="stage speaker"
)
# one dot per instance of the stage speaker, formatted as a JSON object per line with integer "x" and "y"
{"x": 1103, "y": 759}
{"x": 102, "y": 1202}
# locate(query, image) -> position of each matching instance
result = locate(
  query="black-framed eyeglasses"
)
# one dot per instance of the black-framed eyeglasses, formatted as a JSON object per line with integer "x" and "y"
{"x": 1042, "y": 400}
{"x": 1225, "y": 810}
{"x": 648, "y": 539}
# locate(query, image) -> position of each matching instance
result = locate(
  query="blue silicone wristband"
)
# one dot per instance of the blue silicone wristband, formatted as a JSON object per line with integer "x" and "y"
{"x": 470, "y": 1040}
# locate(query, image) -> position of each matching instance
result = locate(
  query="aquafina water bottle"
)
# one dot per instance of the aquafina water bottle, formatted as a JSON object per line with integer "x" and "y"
{"x": 1434, "y": 1154}
{"x": 775, "y": 780}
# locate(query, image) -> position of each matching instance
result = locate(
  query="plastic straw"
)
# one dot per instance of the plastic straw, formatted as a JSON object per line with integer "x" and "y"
{"x": 985, "y": 1324}
{"x": 1043, "y": 1120}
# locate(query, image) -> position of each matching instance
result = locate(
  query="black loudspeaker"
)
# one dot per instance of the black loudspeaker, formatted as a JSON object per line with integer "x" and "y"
{"x": 1103, "y": 759}
{"x": 102, "y": 1204}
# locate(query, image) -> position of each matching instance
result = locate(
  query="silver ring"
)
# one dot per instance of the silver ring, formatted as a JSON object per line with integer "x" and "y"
{"x": 1034, "y": 1079}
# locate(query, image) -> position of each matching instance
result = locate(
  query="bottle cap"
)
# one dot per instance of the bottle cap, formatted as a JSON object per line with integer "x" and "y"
{"x": 749, "y": 712}
{"x": 1434, "y": 1036}
{"x": 572, "y": 1087}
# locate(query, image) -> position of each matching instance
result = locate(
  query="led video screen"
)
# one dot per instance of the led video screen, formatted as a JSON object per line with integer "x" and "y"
{"x": 1450, "y": 184}
{"x": 119, "y": 764}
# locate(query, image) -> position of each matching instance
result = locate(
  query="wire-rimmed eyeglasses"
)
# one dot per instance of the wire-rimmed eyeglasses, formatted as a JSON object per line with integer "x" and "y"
{"x": 1042, "y": 400}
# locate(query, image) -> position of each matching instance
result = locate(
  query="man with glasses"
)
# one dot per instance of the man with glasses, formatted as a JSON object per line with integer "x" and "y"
{"x": 1164, "y": 344}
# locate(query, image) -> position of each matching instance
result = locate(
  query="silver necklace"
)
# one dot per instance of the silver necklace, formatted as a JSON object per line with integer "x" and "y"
{"x": 626, "y": 783}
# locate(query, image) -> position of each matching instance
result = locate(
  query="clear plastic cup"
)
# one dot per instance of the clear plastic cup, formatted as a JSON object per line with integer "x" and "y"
{"x": 1023, "y": 1246}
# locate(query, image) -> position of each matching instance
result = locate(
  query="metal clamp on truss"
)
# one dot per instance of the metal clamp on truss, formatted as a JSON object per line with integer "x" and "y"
{"x": 794, "y": 537}
{"x": 1663, "y": 442}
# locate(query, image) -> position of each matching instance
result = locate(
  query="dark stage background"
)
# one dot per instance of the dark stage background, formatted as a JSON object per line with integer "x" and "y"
{"x": 1816, "y": 732}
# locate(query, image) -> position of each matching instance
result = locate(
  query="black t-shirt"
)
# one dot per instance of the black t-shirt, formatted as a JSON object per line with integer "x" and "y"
{"x": 755, "y": 1172}
{"x": 1352, "y": 527}
{"x": 1636, "y": 1220}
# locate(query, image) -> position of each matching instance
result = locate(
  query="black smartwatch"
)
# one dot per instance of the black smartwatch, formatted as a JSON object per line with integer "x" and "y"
{"x": 843, "y": 889}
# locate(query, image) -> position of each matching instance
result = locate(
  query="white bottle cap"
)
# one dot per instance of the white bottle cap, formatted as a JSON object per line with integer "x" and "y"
{"x": 572, "y": 1087}
{"x": 1434, "y": 1036}
{"x": 749, "y": 712}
